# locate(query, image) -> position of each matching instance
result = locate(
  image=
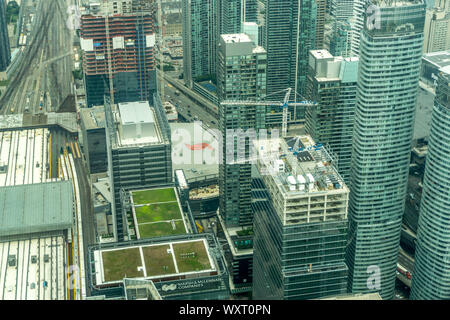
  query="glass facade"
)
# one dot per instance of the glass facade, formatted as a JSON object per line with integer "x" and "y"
{"x": 5, "y": 53}
{"x": 431, "y": 277}
{"x": 199, "y": 19}
{"x": 297, "y": 262}
{"x": 388, "y": 77}
{"x": 289, "y": 35}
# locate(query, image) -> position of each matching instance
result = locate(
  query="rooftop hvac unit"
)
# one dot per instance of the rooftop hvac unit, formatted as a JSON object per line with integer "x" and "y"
{"x": 33, "y": 259}
{"x": 46, "y": 258}
{"x": 12, "y": 260}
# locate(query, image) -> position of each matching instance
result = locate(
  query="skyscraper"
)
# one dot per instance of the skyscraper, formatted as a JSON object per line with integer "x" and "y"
{"x": 332, "y": 84}
{"x": 241, "y": 76}
{"x": 5, "y": 53}
{"x": 290, "y": 32}
{"x": 431, "y": 280}
{"x": 119, "y": 40}
{"x": 241, "y": 68}
{"x": 388, "y": 75}
{"x": 357, "y": 22}
{"x": 320, "y": 24}
{"x": 301, "y": 231}
{"x": 199, "y": 18}
{"x": 233, "y": 13}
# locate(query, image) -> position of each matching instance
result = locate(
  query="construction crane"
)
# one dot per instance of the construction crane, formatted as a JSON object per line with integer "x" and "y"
{"x": 285, "y": 105}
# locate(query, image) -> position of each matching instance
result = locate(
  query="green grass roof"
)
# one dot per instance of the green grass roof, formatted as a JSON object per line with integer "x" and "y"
{"x": 159, "y": 229}
{"x": 153, "y": 195}
{"x": 118, "y": 264}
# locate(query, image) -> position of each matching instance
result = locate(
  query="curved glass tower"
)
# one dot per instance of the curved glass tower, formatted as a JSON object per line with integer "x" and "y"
{"x": 388, "y": 75}
{"x": 431, "y": 277}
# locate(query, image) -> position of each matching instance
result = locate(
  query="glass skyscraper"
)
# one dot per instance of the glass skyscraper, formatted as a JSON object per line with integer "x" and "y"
{"x": 431, "y": 277}
{"x": 388, "y": 76}
{"x": 289, "y": 35}
{"x": 5, "y": 53}
{"x": 199, "y": 19}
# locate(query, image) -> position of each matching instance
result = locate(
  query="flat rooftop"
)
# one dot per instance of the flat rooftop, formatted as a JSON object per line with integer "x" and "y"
{"x": 137, "y": 124}
{"x": 157, "y": 213}
{"x": 33, "y": 269}
{"x": 93, "y": 118}
{"x": 236, "y": 37}
{"x": 195, "y": 150}
{"x": 34, "y": 208}
{"x": 154, "y": 261}
{"x": 440, "y": 58}
{"x": 23, "y": 156}
{"x": 299, "y": 165}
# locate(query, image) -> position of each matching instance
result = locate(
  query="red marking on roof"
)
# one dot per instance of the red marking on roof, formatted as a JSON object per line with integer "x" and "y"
{"x": 199, "y": 146}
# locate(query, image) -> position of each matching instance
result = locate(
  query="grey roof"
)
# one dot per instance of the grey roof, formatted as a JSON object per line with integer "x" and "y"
{"x": 440, "y": 59}
{"x": 34, "y": 208}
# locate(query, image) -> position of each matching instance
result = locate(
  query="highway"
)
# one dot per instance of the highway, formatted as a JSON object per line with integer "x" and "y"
{"x": 43, "y": 79}
{"x": 187, "y": 108}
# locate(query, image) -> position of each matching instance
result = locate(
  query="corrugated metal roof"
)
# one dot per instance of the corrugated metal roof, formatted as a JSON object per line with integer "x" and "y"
{"x": 36, "y": 208}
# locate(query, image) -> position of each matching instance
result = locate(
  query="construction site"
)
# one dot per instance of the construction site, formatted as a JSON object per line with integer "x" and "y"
{"x": 118, "y": 51}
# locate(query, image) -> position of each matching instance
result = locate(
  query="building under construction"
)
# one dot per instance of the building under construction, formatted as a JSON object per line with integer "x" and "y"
{"x": 118, "y": 43}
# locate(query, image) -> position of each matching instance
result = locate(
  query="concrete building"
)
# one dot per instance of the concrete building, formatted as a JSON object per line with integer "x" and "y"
{"x": 139, "y": 152}
{"x": 437, "y": 28}
{"x": 199, "y": 20}
{"x": 384, "y": 121}
{"x": 332, "y": 84}
{"x": 430, "y": 279}
{"x": 5, "y": 52}
{"x": 120, "y": 39}
{"x": 241, "y": 68}
{"x": 290, "y": 32}
{"x": 301, "y": 232}
{"x": 94, "y": 138}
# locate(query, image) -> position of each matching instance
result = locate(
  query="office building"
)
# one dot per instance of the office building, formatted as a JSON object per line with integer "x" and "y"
{"x": 290, "y": 32}
{"x": 300, "y": 234}
{"x": 118, "y": 44}
{"x": 5, "y": 52}
{"x": 430, "y": 279}
{"x": 388, "y": 76}
{"x": 182, "y": 267}
{"x": 332, "y": 84}
{"x": 139, "y": 152}
{"x": 199, "y": 20}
